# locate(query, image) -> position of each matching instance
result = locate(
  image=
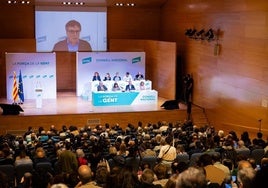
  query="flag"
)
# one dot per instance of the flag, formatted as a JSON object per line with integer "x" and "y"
{"x": 15, "y": 88}
{"x": 21, "y": 94}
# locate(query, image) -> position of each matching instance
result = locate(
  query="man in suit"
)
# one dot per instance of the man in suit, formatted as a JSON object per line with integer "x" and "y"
{"x": 73, "y": 42}
{"x": 130, "y": 86}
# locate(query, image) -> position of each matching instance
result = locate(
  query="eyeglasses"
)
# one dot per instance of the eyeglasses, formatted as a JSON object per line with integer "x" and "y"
{"x": 73, "y": 31}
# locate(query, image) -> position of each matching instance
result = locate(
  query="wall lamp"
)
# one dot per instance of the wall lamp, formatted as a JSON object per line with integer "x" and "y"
{"x": 200, "y": 35}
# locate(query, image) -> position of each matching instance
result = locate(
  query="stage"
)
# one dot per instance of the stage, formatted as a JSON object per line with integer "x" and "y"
{"x": 68, "y": 109}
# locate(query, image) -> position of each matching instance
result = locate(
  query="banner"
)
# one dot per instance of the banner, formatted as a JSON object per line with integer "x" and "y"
{"x": 37, "y": 70}
{"x": 106, "y": 62}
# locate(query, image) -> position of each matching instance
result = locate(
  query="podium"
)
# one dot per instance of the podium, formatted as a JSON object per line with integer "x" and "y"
{"x": 38, "y": 97}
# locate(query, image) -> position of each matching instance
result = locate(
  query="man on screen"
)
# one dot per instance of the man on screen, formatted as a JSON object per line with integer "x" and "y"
{"x": 73, "y": 42}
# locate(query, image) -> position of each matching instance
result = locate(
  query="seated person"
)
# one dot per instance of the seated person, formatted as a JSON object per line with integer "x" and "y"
{"x": 130, "y": 86}
{"x": 101, "y": 87}
{"x": 107, "y": 77}
{"x": 127, "y": 77}
{"x": 142, "y": 85}
{"x": 116, "y": 87}
{"x": 139, "y": 76}
{"x": 117, "y": 77}
{"x": 96, "y": 77}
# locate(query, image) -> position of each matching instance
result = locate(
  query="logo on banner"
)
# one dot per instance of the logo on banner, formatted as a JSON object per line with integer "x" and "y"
{"x": 136, "y": 60}
{"x": 86, "y": 60}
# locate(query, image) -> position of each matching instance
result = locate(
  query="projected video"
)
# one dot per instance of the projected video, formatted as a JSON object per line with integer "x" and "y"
{"x": 70, "y": 31}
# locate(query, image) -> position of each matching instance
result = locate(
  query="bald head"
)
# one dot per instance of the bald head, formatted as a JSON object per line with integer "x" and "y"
{"x": 244, "y": 164}
{"x": 84, "y": 173}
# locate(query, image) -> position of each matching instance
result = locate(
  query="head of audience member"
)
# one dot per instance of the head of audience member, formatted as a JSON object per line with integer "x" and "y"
{"x": 85, "y": 174}
{"x": 193, "y": 177}
{"x": 101, "y": 175}
{"x": 245, "y": 177}
{"x": 40, "y": 152}
{"x": 147, "y": 177}
{"x": 171, "y": 183}
{"x": 204, "y": 160}
{"x": 59, "y": 185}
{"x": 244, "y": 164}
{"x": 178, "y": 167}
{"x": 161, "y": 171}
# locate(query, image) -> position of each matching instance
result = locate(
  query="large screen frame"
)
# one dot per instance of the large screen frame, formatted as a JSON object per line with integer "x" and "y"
{"x": 50, "y": 26}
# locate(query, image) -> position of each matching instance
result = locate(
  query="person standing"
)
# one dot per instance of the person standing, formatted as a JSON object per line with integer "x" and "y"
{"x": 67, "y": 161}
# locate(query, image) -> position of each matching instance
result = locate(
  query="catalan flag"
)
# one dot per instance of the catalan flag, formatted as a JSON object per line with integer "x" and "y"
{"x": 21, "y": 94}
{"x": 15, "y": 88}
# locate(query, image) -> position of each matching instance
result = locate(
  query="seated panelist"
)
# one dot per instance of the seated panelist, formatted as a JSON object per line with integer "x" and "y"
{"x": 96, "y": 77}
{"x": 116, "y": 87}
{"x": 101, "y": 87}
{"x": 130, "y": 86}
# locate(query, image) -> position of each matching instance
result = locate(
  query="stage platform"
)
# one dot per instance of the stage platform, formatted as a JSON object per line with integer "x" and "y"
{"x": 68, "y": 109}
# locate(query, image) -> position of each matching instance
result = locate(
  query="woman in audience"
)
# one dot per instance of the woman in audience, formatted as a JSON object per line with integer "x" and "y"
{"x": 81, "y": 157}
{"x": 23, "y": 158}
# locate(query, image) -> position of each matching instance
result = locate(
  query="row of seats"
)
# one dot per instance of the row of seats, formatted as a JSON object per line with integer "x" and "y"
{"x": 15, "y": 173}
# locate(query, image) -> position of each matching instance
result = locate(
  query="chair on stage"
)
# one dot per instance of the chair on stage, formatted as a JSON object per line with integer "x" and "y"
{"x": 9, "y": 170}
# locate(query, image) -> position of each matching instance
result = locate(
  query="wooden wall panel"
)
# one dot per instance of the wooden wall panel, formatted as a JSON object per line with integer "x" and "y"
{"x": 133, "y": 23}
{"x": 233, "y": 85}
{"x": 160, "y": 62}
{"x": 12, "y": 45}
{"x": 17, "y": 21}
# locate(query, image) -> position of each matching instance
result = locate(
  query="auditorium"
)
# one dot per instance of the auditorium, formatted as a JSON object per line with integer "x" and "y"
{"x": 221, "y": 45}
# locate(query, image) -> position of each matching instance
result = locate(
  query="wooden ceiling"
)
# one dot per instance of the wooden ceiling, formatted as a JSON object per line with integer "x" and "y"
{"x": 104, "y": 3}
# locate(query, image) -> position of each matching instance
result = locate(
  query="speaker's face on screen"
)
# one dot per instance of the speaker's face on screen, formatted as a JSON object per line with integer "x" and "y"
{"x": 73, "y": 34}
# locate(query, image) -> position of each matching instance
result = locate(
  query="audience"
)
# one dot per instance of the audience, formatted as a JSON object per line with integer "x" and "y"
{"x": 79, "y": 152}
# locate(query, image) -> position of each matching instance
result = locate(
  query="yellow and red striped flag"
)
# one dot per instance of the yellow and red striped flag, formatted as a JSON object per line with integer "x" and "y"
{"x": 15, "y": 88}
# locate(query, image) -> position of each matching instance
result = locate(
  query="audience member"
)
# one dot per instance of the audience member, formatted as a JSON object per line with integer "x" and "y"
{"x": 258, "y": 142}
{"x": 167, "y": 153}
{"x": 147, "y": 179}
{"x": 67, "y": 160}
{"x": 213, "y": 174}
{"x": 192, "y": 177}
{"x": 245, "y": 178}
{"x": 81, "y": 157}
{"x": 86, "y": 177}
